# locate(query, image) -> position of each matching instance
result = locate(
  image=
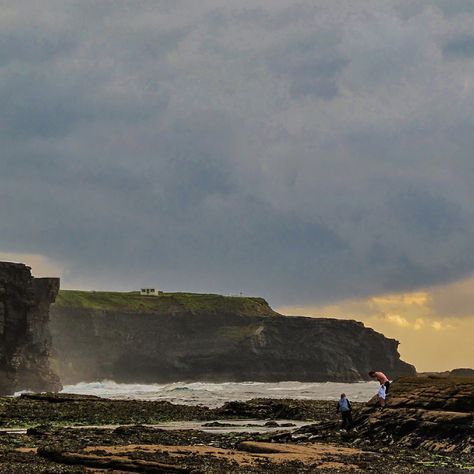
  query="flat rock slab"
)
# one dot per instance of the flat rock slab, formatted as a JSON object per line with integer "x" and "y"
{"x": 180, "y": 458}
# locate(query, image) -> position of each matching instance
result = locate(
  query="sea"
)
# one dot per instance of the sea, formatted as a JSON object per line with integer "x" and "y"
{"x": 214, "y": 395}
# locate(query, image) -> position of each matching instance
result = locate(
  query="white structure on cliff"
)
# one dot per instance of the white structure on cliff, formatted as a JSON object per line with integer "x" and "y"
{"x": 150, "y": 292}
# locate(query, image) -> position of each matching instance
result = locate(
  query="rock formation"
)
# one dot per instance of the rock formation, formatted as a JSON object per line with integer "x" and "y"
{"x": 427, "y": 413}
{"x": 434, "y": 413}
{"x": 25, "y": 341}
{"x": 133, "y": 339}
{"x": 462, "y": 372}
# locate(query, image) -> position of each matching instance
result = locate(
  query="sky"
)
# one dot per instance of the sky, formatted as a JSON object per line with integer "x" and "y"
{"x": 316, "y": 153}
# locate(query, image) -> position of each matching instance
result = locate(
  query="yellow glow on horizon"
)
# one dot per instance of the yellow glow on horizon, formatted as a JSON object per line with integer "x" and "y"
{"x": 398, "y": 320}
{"x": 435, "y": 326}
{"x": 41, "y": 266}
{"x": 417, "y": 298}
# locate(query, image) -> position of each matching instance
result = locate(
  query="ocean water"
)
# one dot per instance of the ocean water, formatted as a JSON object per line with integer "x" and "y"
{"x": 216, "y": 394}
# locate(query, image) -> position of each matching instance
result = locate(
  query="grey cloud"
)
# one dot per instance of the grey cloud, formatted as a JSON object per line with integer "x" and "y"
{"x": 24, "y": 46}
{"x": 428, "y": 213}
{"x": 462, "y": 47}
{"x": 310, "y": 65}
{"x": 455, "y": 7}
{"x": 305, "y": 153}
{"x": 449, "y": 8}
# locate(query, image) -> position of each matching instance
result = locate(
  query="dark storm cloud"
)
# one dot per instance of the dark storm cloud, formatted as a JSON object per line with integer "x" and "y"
{"x": 310, "y": 64}
{"x": 301, "y": 152}
{"x": 449, "y": 8}
{"x": 460, "y": 47}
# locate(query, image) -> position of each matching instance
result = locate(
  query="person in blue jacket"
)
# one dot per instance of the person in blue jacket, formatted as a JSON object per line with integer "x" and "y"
{"x": 345, "y": 409}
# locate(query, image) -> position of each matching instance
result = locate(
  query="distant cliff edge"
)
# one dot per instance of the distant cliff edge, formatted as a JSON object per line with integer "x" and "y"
{"x": 25, "y": 342}
{"x": 189, "y": 337}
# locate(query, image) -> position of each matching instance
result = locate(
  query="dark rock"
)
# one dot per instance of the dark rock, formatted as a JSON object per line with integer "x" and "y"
{"x": 218, "y": 424}
{"x": 25, "y": 341}
{"x": 60, "y": 397}
{"x": 272, "y": 424}
{"x": 282, "y": 409}
{"x": 39, "y": 430}
{"x": 131, "y": 430}
{"x": 462, "y": 372}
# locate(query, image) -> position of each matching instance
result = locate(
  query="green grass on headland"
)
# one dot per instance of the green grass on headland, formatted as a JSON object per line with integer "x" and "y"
{"x": 164, "y": 303}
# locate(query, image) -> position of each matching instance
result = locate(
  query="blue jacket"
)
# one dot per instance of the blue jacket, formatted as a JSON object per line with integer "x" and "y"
{"x": 344, "y": 404}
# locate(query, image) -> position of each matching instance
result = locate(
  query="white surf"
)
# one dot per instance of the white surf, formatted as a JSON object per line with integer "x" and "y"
{"x": 216, "y": 394}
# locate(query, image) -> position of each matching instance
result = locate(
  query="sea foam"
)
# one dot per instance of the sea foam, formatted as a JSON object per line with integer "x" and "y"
{"x": 216, "y": 394}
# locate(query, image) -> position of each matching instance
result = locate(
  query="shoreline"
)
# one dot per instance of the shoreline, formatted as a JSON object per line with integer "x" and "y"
{"x": 427, "y": 426}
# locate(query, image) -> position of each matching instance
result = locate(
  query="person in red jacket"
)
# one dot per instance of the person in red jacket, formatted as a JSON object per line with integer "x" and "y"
{"x": 382, "y": 378}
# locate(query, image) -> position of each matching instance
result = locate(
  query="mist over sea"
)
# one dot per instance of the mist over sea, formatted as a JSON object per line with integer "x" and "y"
{"x": 216, "y": 394}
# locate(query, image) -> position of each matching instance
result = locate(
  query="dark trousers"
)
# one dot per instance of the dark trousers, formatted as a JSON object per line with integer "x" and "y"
{"x": 346, "y": 419}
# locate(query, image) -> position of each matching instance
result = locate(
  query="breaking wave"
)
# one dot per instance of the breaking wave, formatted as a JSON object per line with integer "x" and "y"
{"x": 216, "y": 394}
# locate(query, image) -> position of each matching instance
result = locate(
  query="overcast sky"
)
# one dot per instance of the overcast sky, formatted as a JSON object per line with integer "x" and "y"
{"x": 305, "y": 151}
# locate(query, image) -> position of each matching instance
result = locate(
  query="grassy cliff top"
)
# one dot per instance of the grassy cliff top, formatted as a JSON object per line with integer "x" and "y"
{"x": 133, "y": 302}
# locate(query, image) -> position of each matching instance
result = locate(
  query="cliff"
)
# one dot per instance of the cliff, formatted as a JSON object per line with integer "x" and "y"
{"x": 130, "y": 338}
{"x": 25, "y": 341}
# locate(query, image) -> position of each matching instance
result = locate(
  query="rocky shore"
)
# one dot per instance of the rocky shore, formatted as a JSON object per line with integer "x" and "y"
{"x": 427, "y": 426}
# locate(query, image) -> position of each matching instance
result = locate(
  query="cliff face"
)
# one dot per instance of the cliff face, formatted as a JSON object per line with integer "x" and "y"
{"x": 238, "y": 341}
{"x": 25, "y": 341}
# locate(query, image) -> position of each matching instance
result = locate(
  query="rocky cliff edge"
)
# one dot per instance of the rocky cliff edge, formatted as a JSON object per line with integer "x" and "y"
{"x": 25, "y": 342}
